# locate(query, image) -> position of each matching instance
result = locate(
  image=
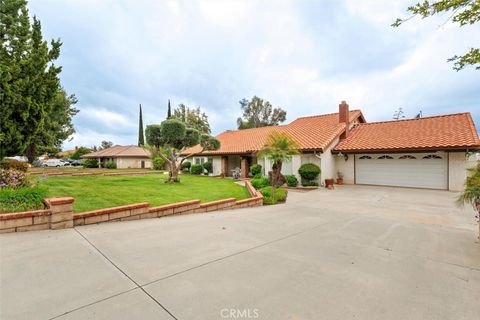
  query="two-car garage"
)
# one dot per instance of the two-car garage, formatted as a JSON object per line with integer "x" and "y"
{"x": 418, "y": 170}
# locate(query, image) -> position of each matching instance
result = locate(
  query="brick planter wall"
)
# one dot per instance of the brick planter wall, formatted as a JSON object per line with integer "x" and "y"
{"x": 59, "y": 214}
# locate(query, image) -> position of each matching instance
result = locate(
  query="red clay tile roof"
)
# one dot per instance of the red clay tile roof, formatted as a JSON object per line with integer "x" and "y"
{"x": 453, "y": 131}
{"x": 312, "y": 133}
{"x": 118, "y": 152}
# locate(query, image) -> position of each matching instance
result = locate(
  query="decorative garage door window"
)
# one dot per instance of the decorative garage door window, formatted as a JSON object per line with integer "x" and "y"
{"x": 407, "y": 156}
{"x": 365, "y": 157}
{"x": 385, "y": 157}
{"x": 432, "y": 156}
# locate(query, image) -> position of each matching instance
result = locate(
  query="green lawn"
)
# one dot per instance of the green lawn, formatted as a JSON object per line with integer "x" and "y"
{"x": 96, "y": 192}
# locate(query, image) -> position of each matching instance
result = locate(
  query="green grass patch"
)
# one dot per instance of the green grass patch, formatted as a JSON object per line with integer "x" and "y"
{"x": 22, "y": 199}
{"x": 97, "y": 192}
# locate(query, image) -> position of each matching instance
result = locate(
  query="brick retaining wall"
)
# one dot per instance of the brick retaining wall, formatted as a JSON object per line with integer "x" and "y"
{"x": 60, "y": 215}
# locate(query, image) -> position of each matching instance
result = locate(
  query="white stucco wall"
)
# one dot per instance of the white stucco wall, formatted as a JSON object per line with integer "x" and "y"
{"x": 329, "y": 168}
{"x": 309, "y": 158}
{"x": 457, "y": 169}
{"x": 346, "y": 167}
{"x": 296, "y": 163}
{"x": 133, "y": 163}
{"x": 288, "y": 167}
{"x": 217, "y": 165}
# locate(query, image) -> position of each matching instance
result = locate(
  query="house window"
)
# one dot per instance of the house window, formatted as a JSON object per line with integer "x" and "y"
{"x": 365, "y": 157}
{"x": 199, "y": 160}
{"x": 385, "y": 157}
{"x": 407, "y": 156}
{"x": 432, "y": 156}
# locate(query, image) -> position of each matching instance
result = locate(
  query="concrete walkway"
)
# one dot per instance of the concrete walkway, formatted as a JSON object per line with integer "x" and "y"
{"x": 350, "y": 253}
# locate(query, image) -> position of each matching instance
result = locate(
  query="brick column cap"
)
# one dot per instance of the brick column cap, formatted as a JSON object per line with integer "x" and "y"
{"x": 59, "y": 201}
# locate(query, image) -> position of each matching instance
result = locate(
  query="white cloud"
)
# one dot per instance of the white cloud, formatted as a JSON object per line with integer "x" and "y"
{"x": 303, "y": 56}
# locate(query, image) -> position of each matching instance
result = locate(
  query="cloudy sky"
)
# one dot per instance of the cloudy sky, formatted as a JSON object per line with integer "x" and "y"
{"x": 304, "y": 56}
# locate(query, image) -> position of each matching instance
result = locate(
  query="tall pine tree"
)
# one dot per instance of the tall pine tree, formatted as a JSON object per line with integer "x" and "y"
{"x": 141, "y": 137}
{"x": 30, "y": 91}
{"x": 169, "y": 112}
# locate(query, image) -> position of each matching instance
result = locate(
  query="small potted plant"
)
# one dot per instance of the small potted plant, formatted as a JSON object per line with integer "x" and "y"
{"x": 339, "y": 177}
{"x": 329, "y": 183}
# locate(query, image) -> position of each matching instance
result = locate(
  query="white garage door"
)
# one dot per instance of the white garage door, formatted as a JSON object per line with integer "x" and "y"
{"x": 419, "y": 170}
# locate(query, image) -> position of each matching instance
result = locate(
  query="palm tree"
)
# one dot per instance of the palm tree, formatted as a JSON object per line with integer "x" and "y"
{"x": 471, "y": 192}
{"x": 279, "y": 147}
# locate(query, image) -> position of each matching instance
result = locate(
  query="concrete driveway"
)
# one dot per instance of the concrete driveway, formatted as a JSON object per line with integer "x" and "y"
{"x": 351, "y": 253}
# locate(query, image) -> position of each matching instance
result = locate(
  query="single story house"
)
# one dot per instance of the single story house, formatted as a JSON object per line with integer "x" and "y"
{"x": 126, "y": 157}
{"x": 430, "y": 152}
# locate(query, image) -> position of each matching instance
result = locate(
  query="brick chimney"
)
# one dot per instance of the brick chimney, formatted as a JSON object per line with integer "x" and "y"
{"x": 344, "y": 117}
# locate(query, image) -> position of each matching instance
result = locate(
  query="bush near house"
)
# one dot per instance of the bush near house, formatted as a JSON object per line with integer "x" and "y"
{"x": 18, "y": 192}
{"x": 208, "y": 166}
{"x": 280, "y": 195}
{"x": 90, "y": 163}
{"x": 292, "y": 181}
{"x": 256, "y": 170}
{"x": 186, "y": 165}
{"x": 310, "y": 184}
{"x": 260, "y": 182}
{"x": 11, "y": 164}
{"x": 111, "y": 164}
{"x": 158, "y": 163}
{"x": 22, "y": 199}
{"x": 309, "y": 173}
{"x": 196, "y": 169}
{"x": 14, "y": 179}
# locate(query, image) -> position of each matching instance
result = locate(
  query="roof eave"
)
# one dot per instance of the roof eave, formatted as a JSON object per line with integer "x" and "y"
{"x": 416, "y": 149}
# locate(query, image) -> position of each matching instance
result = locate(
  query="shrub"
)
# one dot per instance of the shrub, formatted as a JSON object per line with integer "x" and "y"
{"x": 186, "y": 166}
{"x": 310, "y": 184}
{"x": 14, "y": 179}
{"x": 256, "y": 170}
{"x": 196, "y": 169}
{"x": 208, "y": 166}
{"x": 22, "y": 199}
{"x": 111, "y": 164}
{"x": 90, "y": 163}
{"x": 309, "y": 171}
{"x": 158, "y": 163}
{"x": 80, "y": 152}
{"x": 259, "y": 183}
{"x": 11, "y": 164}
{"x": 280, "y": 195}
{"x": 291, "y": 181}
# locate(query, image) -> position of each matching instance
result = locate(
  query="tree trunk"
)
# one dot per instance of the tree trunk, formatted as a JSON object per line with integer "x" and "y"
{"x": 174, "y": 168}
{"x": 173, "y": 174}
{"x": 275, "y": 175}
{"x": 31, "y": 152}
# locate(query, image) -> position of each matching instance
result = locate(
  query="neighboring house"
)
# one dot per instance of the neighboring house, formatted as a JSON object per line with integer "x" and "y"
{"x": 430, "y": 152}
{"x": 126, "y": 157}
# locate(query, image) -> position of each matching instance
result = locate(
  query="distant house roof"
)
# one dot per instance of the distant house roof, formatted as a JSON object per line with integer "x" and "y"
{"x": 453, "y": 131}
{"x": 119, "y": 152}
{"x": 313, "y": 133}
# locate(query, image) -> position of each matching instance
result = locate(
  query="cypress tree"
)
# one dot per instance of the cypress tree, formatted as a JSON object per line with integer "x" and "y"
{"x": 169, "y": 113}
{"x": 141, "y": 137}
{"x": 35, "y": 112}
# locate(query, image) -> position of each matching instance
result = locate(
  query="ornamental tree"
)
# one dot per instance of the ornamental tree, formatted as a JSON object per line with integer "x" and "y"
{"x": 174, "y": 137}
{"x": 280, "y": 147}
